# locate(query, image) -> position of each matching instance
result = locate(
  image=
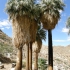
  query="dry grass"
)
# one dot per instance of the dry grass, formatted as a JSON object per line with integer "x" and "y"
{"x": 24, "y": 30}
{"x": 49, "y": 22}
{"x": 33, "y": 30}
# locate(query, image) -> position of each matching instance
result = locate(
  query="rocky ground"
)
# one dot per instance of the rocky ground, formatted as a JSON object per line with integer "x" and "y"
{"x": 7, "y": 66}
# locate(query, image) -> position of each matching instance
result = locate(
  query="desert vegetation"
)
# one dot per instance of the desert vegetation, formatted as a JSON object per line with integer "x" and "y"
{"x": 25, "y": 17}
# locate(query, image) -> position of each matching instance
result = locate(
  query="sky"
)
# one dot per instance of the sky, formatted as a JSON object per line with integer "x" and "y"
{"x": 60, "y": 35}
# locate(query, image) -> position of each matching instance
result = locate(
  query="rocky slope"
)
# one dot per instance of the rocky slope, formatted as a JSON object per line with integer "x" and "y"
{"x": 5, "y": 47}
{"x": 5, "y": 43}
{"x": 61, "y": 56}
{"x": 4, "y": 38}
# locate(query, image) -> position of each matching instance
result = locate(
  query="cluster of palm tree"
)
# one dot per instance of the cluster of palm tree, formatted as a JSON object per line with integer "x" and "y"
{"x": 28, "y": 17}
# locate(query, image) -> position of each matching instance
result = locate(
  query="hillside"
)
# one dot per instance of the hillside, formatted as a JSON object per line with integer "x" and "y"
{"x": 4, "y": 38}
{"x": 5, "y": 43}
{"x": 61, "y": 56}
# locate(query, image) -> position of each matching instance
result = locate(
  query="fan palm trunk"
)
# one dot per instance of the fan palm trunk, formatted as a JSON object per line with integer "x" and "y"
{"x": 19, "y": 59}
{"x": 50, "y": 51}
{"x": 36, "y": 61}
{"x": 27, "y": 58}
{"x": 30, "y": 56}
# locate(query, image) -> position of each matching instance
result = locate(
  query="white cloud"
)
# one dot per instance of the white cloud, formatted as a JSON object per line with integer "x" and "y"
{"x": 65, "y": 30}
{"x": 5, "y": 24}
{"x": 68, "y": 39}
{"x": 7, "y": 27}
{"x": 59, "y": 40}
{"x": 2, "y": 28}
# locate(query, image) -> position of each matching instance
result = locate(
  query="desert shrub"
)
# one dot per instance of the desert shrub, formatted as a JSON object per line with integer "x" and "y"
{"x": 13, "y": 61}
{"x": 5, "y": 48}
{"x": 24, "y": 64}
{"x": 42, "y": 64}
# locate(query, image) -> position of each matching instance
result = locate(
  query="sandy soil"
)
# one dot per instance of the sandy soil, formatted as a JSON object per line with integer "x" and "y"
{"x": 7, "y": 67}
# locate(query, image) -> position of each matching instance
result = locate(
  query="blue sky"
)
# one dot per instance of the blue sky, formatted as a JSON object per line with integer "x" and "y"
{"x": 59, "y": 34}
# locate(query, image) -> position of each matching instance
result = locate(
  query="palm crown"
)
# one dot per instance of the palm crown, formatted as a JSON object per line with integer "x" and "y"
{"x": 51, "y": 12}
{"x": 22, "y": 7}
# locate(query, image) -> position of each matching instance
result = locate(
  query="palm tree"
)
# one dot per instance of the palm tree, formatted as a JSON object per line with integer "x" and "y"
{"x": 22, "y": 14}
{"x": 49, "y": 17}
{"x": 68, "y": 24}
{"x": 33, "y": 27}
{"x": 41, "y": 35}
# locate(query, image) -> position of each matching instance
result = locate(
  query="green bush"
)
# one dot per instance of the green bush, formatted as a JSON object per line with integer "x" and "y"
{"x": 24, "y": 64}
{"x": 42, "y": 64}
{"x": 5, "y": 48}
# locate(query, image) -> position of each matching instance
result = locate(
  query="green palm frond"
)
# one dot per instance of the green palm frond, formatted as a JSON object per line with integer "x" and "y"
{"x": 68, "y": 24}
{"x": 41, "y": 33}
{"x": 22, "y": 7}
{"x": 53, "y": 7}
